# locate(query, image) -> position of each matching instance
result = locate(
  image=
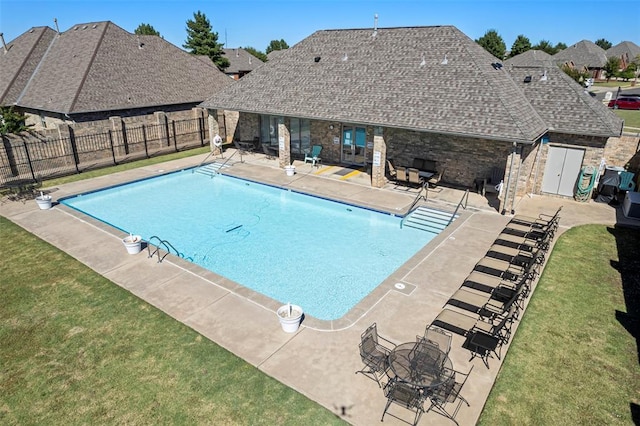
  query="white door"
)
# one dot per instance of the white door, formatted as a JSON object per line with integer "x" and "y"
{"x": 562, "y": 170}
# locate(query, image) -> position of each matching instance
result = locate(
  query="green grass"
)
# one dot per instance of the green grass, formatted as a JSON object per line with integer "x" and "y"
{"x": 78, "y": 349}
{"x": 572, "y": 361}
{"x": 124, "y": 166}
{"x": 631, "y": 118}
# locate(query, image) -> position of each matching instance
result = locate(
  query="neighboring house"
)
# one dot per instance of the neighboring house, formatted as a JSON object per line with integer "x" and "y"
{"x": 97, "y": 70}
{"x": 583, "y": 56}
{"x": 370, "y": 95}
{"x": 530, "y": 57}
{"x": 626, "y": 51}
{"x": 274, "y": 54}
{"x": 241, "y": 62}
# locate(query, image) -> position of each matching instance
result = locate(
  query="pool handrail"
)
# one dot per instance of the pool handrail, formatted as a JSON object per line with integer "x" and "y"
{"x": 167, "y": 246}
{"x": 425, "y": 188}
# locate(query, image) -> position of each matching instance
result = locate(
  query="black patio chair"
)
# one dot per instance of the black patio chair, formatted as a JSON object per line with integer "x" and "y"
{"x": 493, "y": 183}
{"x": 482, "y": 342}
{"x": 449, "y": 394}
{"x": 374, "y": 355}
{"x": 438, "y": 337}
{"x": 406, "y": 396}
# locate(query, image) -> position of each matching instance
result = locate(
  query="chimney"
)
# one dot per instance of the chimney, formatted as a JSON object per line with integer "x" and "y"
{"x": 55, "y": 21}
{"x": 4, "y": 45}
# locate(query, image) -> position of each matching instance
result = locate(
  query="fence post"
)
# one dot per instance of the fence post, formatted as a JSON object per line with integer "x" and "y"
{"x": 113, "y": 150}
{"x": 66, "y": 132}
{"x": 26, "y": 151}
{"x": 175, "y": 139}
{"x": 11, "y": 159}
{"x": 144, "y": 140}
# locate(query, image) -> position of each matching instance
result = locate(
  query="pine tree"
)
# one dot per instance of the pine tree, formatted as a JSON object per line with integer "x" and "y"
{"x": 521, "y": 45}
{"x": 493, "y": 43}
{"x": 201, "y": 40}
{"x": 277, "y": 45}
{"x": 146, "y": 29}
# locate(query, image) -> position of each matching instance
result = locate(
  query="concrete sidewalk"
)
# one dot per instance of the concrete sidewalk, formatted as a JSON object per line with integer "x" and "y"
{"x": 321, "y": 358}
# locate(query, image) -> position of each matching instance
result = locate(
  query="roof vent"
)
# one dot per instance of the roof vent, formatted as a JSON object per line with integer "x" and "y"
{"x": 55, "y": 20}
{"x": 445, "y": 61}
{"x": 85, "y": 27}
{"x": 345, "y": 57}
{"x": 496, "y": 65}
{"x": 423, "y": 62}
{"x": 543, "y": 77}
{"x": 4, "y": 45}
{"x": 375, "y": 25}
{"x": 316, "y": 59}
{"x": 527, "y": 79}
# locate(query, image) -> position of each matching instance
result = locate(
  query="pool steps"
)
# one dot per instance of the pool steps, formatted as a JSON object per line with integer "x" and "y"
{"x": 210, "y": 169}
{"x": 429, "y": 220}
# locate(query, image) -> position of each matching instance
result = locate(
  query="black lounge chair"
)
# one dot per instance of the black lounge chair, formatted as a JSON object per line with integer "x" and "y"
{"x": 483, "y": 343}
{"x": 488, "y": 305}
{"x": 540, "y": 221}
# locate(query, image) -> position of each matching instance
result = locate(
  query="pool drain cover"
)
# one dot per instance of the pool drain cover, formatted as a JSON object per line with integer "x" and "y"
{"x": 399, "y": 286}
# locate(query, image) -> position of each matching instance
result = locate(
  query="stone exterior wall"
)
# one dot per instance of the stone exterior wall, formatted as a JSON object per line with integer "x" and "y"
{"x": 624, "y": 152}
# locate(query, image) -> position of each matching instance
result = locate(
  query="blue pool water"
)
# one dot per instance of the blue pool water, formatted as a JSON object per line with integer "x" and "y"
{"x": 322, "y": 255}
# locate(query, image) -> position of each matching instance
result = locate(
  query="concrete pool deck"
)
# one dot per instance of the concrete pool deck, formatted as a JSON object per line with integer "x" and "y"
{"x": 320, "y": 359}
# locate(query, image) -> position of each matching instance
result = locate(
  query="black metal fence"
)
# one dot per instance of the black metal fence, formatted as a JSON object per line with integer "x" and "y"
{"x": 27, "y": 158}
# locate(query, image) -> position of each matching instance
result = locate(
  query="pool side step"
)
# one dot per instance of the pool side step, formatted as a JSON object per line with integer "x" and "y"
{"x": 210, "y": 169}
{"x": 427, "y": 219}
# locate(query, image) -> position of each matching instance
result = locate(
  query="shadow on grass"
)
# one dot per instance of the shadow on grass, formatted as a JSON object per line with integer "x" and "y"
{"x": 628, "y": 265}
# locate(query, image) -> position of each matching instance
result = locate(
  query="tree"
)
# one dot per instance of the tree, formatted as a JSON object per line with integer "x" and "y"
{"x": 545, "y": 46}
{"x": 12, "y": 121}
{"x": 604, "y": 43}
{"x": 612, "y": 67}
{"x": 493, "y": 43}
{"x": 559, "y": 46}
{"x": 521, "y": 45}
{"x": 578, "y": 76}
{"x": 277, "y": 45}
{"x": 258, "y": 54}
{"x": 146, "y": 29}
{"x": 201, "y": 40}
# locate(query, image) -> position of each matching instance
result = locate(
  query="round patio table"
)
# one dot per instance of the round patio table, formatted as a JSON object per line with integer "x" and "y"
{"x": 427, "y": 369}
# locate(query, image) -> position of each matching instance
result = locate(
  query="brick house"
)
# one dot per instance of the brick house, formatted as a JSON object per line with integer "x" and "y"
{"x": 367, "y": 95}
{"x": 583, "y": 56}
{"x": 626, "y": 51}
{"x": 97, "y": 70}
{"x": 241, "y": 62}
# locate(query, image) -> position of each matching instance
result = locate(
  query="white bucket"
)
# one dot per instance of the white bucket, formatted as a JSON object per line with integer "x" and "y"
{"x": 290, "y": 170}
{"x": 133, "y": 243}
{"x": 44, "y": 202}
{"x": 290, "y": 317}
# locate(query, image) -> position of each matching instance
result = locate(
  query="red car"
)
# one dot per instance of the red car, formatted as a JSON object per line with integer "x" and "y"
{"x": 625, "y": 102}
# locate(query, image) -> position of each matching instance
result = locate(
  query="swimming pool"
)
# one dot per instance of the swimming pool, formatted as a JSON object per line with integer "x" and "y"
{"x": 320, "y": 254}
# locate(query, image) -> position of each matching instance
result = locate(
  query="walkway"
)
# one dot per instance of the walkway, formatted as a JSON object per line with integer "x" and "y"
{"x": 320, "y": 359}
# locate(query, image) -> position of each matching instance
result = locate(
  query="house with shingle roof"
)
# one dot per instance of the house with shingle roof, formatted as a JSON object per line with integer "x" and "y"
{"x": 626, "y": 51}
{"x": 530, "y": 57}
{"x": 96, "y": 70}
{"x": 368, "y": 95}
{"x": 241, "y": 62}
{"x": 584, "y": 56}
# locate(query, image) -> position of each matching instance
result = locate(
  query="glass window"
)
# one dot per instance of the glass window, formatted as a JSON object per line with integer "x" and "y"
{"x": 300, "y": 130}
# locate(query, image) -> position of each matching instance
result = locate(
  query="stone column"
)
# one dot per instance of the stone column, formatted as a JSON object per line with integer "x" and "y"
{"x": 510, "y": 188}
{"x": 284, "y": 143}
{"x": 378, "y": 167}
{"x": 214, "y": 129}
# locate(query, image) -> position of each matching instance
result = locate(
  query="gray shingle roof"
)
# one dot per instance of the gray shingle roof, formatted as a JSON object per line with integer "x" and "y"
{"x": 21, "y": 59}
{"x": 583, "y": 54}
{"x": 396, "y": 78}
{"x": 240, "y": 61}
{"x": 565, "y": 105}
{"x": 101, "y": 67}
{"x": 628, "y": 48}
{"x": 530, "y": 57}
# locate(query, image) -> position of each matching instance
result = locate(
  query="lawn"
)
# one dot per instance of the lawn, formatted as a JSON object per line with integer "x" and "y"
{"x": 574, "y": 360}
{"x": 631, "y": 119}
{"x": 78, "y": 349}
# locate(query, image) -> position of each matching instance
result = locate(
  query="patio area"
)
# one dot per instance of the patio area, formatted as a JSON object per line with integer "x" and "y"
{"x": 321, "y": 359}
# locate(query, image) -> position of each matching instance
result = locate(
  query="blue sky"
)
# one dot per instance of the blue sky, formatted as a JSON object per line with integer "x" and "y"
{"x": 256, "y": 22}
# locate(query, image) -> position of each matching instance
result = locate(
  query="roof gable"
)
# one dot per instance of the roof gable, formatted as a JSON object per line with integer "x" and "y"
{"x": 626, "y": 48}
{"x": 530, "y": 57}
{"x": 101, "y": 67}
{"x": 563, "y": 104}
{"x": 240, "y": 61}
{"x": 583, "y": 54}
{"x": 423, "y": 78}
{"x": 20, "y": 60}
